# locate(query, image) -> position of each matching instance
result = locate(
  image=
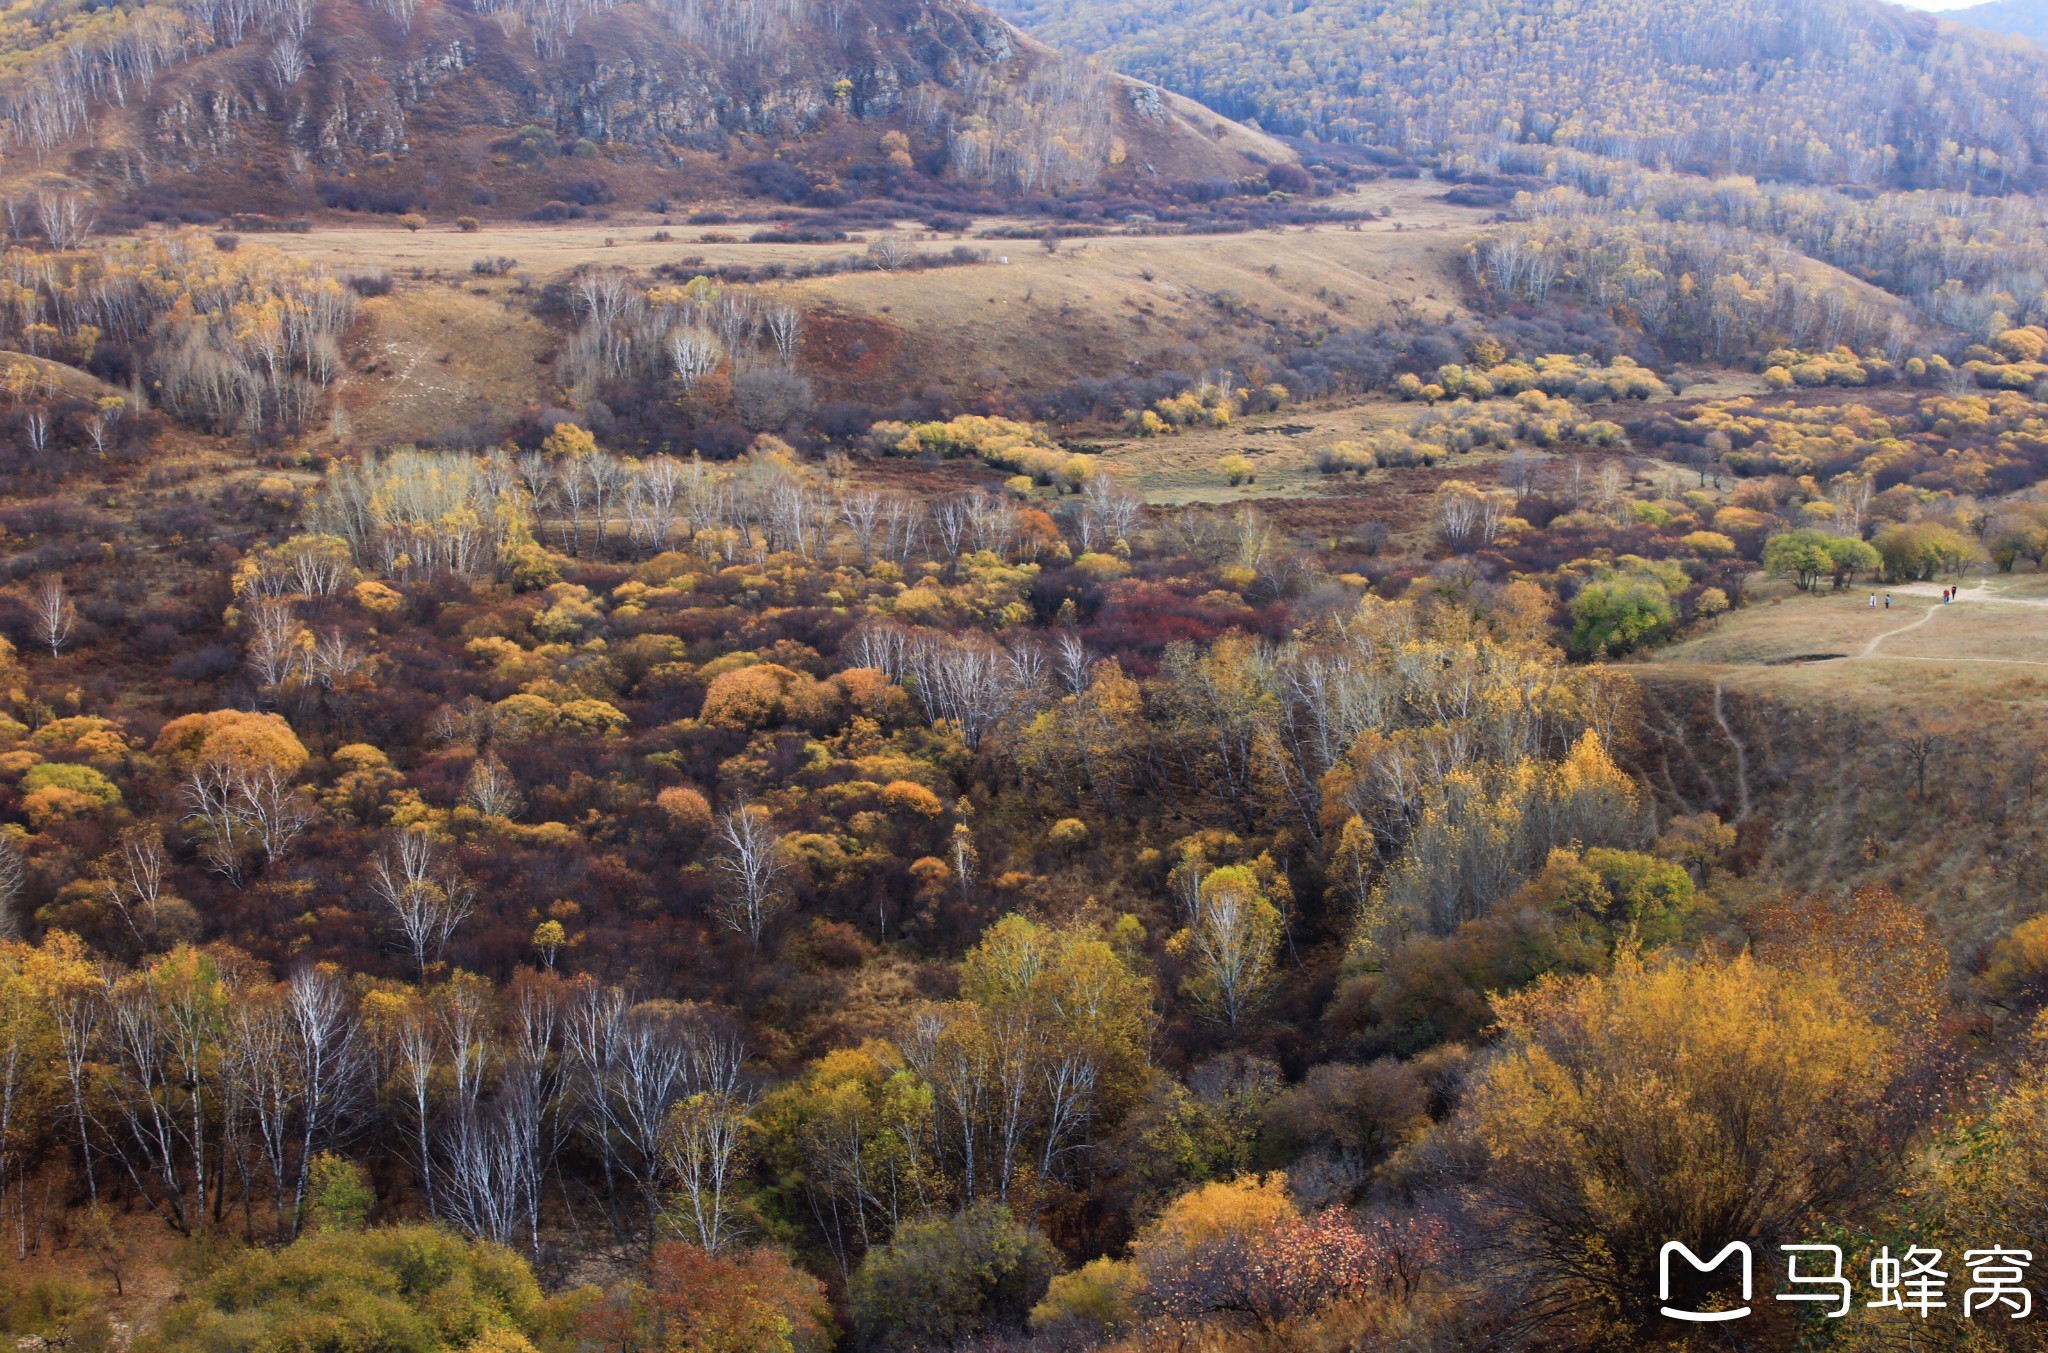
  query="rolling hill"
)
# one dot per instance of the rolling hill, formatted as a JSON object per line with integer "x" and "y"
{"x": 1847, "y": 91}
{"x": 396, "y": 105}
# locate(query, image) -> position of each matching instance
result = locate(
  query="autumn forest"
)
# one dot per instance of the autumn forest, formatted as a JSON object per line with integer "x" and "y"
{"x": 842, "y": 675}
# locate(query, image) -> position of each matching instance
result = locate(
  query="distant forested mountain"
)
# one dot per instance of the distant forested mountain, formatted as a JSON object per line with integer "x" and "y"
{"x": 1848, "y": 91}
{"x": 2020, "y": 18}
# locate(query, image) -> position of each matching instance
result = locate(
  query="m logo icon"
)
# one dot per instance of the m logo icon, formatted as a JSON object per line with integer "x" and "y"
{"x": 1735, "y": 1247}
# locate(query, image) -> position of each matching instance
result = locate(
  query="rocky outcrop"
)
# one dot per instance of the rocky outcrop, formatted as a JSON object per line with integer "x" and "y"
{"x": 360, "y": 95}
{"x": 623, "y": 75}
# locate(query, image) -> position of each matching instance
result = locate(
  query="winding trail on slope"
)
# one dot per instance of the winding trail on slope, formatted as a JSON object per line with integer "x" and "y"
{"x": 1980, "y": 593}
{"x": 1871, "y": 647}
{"x": 1741, "y": 756}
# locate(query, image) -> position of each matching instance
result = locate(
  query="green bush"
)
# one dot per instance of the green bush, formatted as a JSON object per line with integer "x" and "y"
{"x": 55, "y": 1313}
{"x": 1091, "y": 1302}
{"x": 1616, "y": 614}
{"x": 1624, "y": 890}
{"x": 1807, "y": 556}
{"x": 340, "y": 1198}
{"x": 951, "y": 1278}
{"x": 397, "y": 1289}
{"x": 1916, "y": 551}
{"x": 81, "y": 780}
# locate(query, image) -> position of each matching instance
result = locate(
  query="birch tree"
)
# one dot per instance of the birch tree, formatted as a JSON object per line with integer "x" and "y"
{"x": 704, "y": 1154}
{"x": 427, "y": 896}
{"x": 13, "y": 882}
{"x": 1230, "y": 945}
{"x": 55, "y": 618}
{"x": 753, "y": 866}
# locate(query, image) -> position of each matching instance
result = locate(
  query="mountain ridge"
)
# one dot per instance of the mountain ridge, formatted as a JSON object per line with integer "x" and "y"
{"x": 450, "y": 107}
{"x": 1847, "y": 91}
{"x": 2014, "y": 18}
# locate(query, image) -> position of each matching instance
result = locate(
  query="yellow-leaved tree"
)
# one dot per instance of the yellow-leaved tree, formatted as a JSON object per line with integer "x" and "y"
{"x": 1229, "y": 944}
{"x": 1702, "y": 1101}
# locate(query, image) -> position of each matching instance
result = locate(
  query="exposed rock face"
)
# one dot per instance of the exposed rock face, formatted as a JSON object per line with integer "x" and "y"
{"x": 623, "y": 75}
{"x": 353, "y": 106}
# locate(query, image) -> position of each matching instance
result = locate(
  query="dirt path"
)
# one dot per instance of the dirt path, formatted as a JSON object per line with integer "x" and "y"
{"x": 1871, "y": 648}
{"x": 1922, "y": 657}
{"x": 1741, "y": 755}
{"x": 1980, "y": 593}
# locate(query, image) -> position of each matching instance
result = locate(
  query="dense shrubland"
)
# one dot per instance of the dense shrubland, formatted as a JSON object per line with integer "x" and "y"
{"x": 1530, "y": 420}
{"x": 712, "y": 857}
{"x": 792, "y": 903}
{"x": 873, "y": 881}
{"x": 1932, "y": 444}
{"x": 231, "y": 340}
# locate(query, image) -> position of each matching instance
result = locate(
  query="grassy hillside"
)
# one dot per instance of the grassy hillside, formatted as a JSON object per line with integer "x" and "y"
{"x": 1861, "y": 745}
{"x": 1814, "y": 90}
{"x": 1009, "y": 328}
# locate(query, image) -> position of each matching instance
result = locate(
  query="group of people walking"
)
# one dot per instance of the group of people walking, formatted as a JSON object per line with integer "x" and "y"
{"x": 1948, "y": 594}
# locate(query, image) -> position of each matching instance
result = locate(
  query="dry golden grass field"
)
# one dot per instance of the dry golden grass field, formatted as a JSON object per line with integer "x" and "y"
{"x": 1986, "y": 651}
{"x": 448, "y": 345}
{"x": 1904, "y": 758}
{"x": 429, "y": 357}
{"x": 1181, "y": 468}
{"x": 546, "y": 250}
{"x": 1025, "y": 320}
